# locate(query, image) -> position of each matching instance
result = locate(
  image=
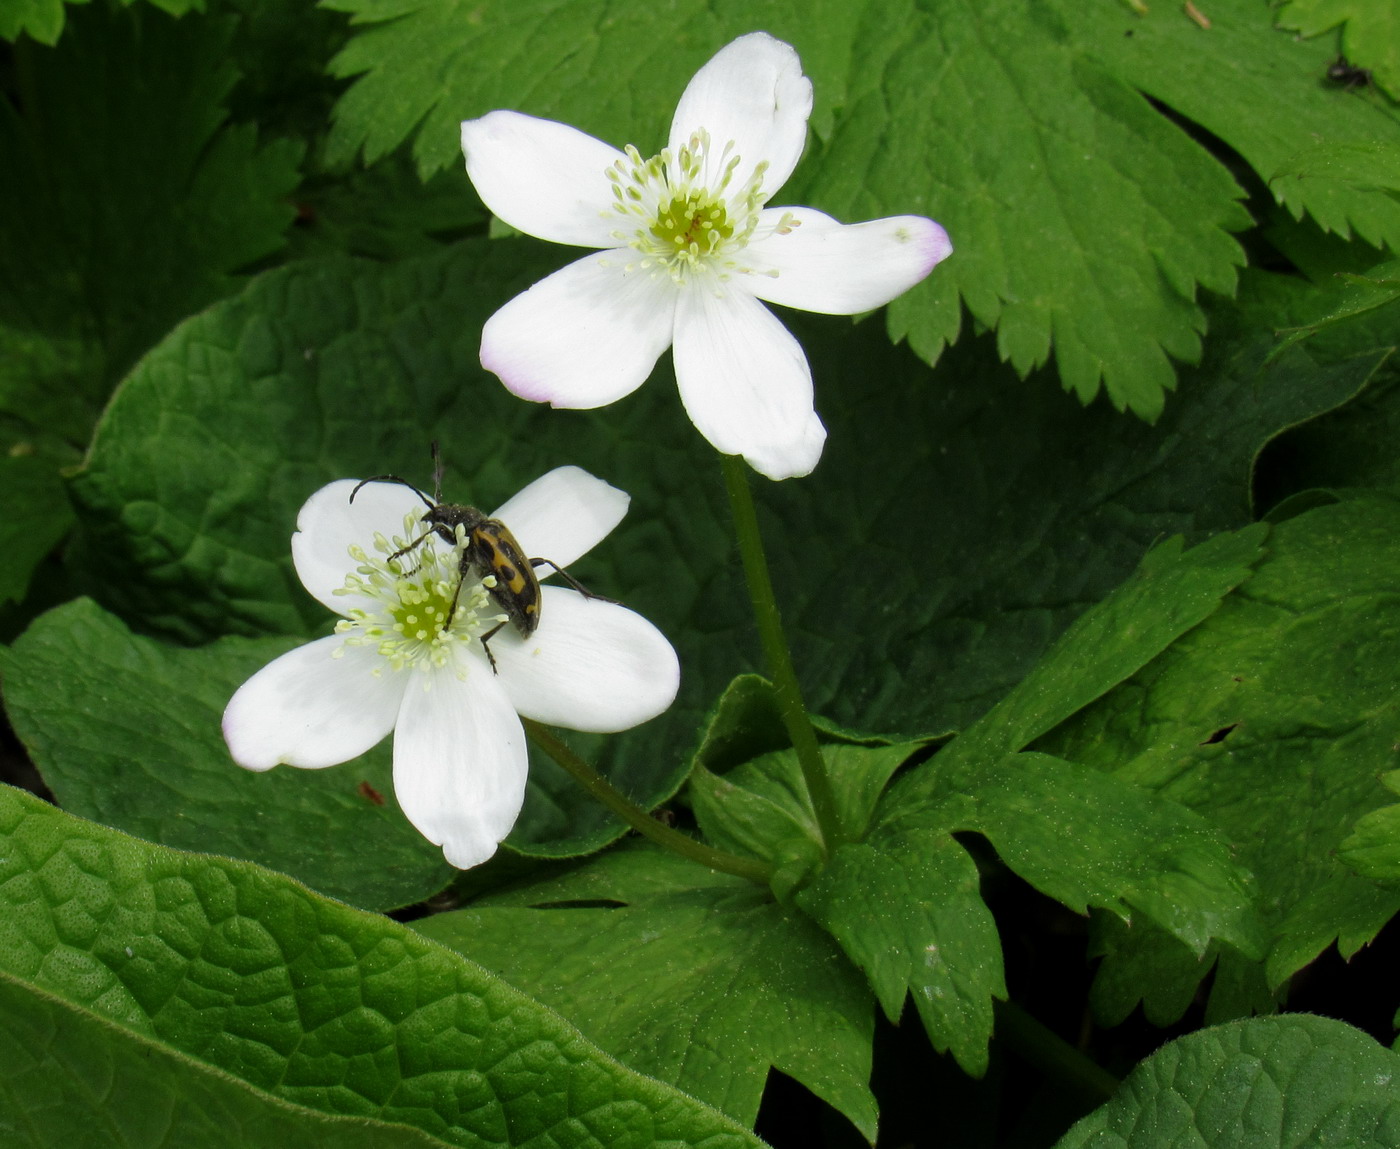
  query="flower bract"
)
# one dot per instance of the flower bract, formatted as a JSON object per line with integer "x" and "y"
{"x": 688, "y": 249}
{"x": 396, "y": 663}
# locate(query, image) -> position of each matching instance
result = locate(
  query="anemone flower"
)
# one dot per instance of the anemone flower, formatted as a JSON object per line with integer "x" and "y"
{"x": 403, "y": 660}
{"x": 689, "y": 247}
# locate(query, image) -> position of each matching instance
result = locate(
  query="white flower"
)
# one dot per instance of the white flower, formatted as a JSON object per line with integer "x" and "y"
{"x": 459, "y": 748}
{"x": 689, "y": 249}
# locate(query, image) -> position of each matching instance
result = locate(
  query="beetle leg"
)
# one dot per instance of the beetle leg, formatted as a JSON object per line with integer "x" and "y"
{"x": 489, "y": 635}
{"x": 568, "y": 578}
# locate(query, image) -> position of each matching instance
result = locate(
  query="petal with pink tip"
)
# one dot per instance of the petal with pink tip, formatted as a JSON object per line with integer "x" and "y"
{"x": 583, "y": 337}
{"x": 842, "y": 269}
{"x": 745, "y": 382}
{"x": 542, "y": 177}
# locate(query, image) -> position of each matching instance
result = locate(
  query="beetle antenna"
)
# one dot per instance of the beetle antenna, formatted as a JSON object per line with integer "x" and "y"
{"x": 437, "y": 472}
{"x": 392, "y": 479}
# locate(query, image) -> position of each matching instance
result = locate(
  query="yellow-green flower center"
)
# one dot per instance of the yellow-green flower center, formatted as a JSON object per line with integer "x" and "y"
{"x": 683, "y": 211}
{"x": 409, "y": 618}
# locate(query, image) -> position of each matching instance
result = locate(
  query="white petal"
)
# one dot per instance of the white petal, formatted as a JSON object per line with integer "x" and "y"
{"x": 752, "y": 92}
{"x": 591, "y": 665}
{"x": 745, "y": 382}
{"x": 310, "y": 709}
{"x": 328, "y": 524}
{"x": 563, "y": 515}
{"x": 460, "y": 762}
{"x": 543, "y": 178}
{"x": 584, "y": 337}
{"x": 842, "y": 269}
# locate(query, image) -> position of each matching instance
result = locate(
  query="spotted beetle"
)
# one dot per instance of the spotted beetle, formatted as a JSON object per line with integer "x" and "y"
{"x": 489, "y": 549}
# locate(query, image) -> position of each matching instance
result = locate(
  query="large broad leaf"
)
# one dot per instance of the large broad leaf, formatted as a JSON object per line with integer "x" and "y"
{"x": 42, "y": 20}
{"x": 1294, "y": 1082}
{"x": 125, "y": 731}
{"x": 126, "y": 205}
{"x": 687, "y": 975}
{"x": 246, "y": 987}
{"x": 1274, "y": 720}
{"x": 1087, "y": 234}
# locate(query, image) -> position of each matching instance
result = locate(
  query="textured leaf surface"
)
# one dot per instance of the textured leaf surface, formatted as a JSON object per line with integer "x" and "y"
{"x": 127, "y": 203}
{"x": 733, "y": 983}
{"x": 1065, "y": 831}
{"x": 125, "y": 730}
{"x": 1274, "y": 720}
{"x": 1088, "y": 233}
{"x": 1291, "y": 1082}
{"x": 70, "y": 1077}
{"x": 326, "y": 1007}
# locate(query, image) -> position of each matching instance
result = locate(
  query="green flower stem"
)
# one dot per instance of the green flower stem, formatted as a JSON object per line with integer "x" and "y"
{"x": 1052, "y": 1055}
{"x": 775, "y": 651}
{"x": 598, "y": 786}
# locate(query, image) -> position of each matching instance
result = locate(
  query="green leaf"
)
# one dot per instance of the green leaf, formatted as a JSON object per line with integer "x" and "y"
{"x": 34, "y": 515}
{"x": 933, "y": 936}
{"x": 705, "y": 984}
{"x": 247, "y": 972}
{"x": 1285, "y": 700}
{"x": 125, "y": 730}
{"x": 1370, "y": 33}
{"x": 1270, "y": 1083}
{"x": 68, "y": 1076}
{"x": 127, "y": 203}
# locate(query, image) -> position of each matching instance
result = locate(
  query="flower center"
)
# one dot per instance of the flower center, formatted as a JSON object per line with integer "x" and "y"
{"x": 407, "y": 620}
{"x": 681, "y": 220}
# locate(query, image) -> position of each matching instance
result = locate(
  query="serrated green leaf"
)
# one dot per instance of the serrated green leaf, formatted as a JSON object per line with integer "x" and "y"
{"x": 704, "y": 985}
{"x": 1370, "y": 32}
{"x": 1233, "y": 79}
{"x": 934, "y": 937}
{"x": 127, "y": 203}
{"x": 248, "y": 972}
{"x": 125, "y": 730}
{"x": 69, "y": 1077}
{"x": 1271, "y": 1083}
{"x": 1283, "y": 702}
